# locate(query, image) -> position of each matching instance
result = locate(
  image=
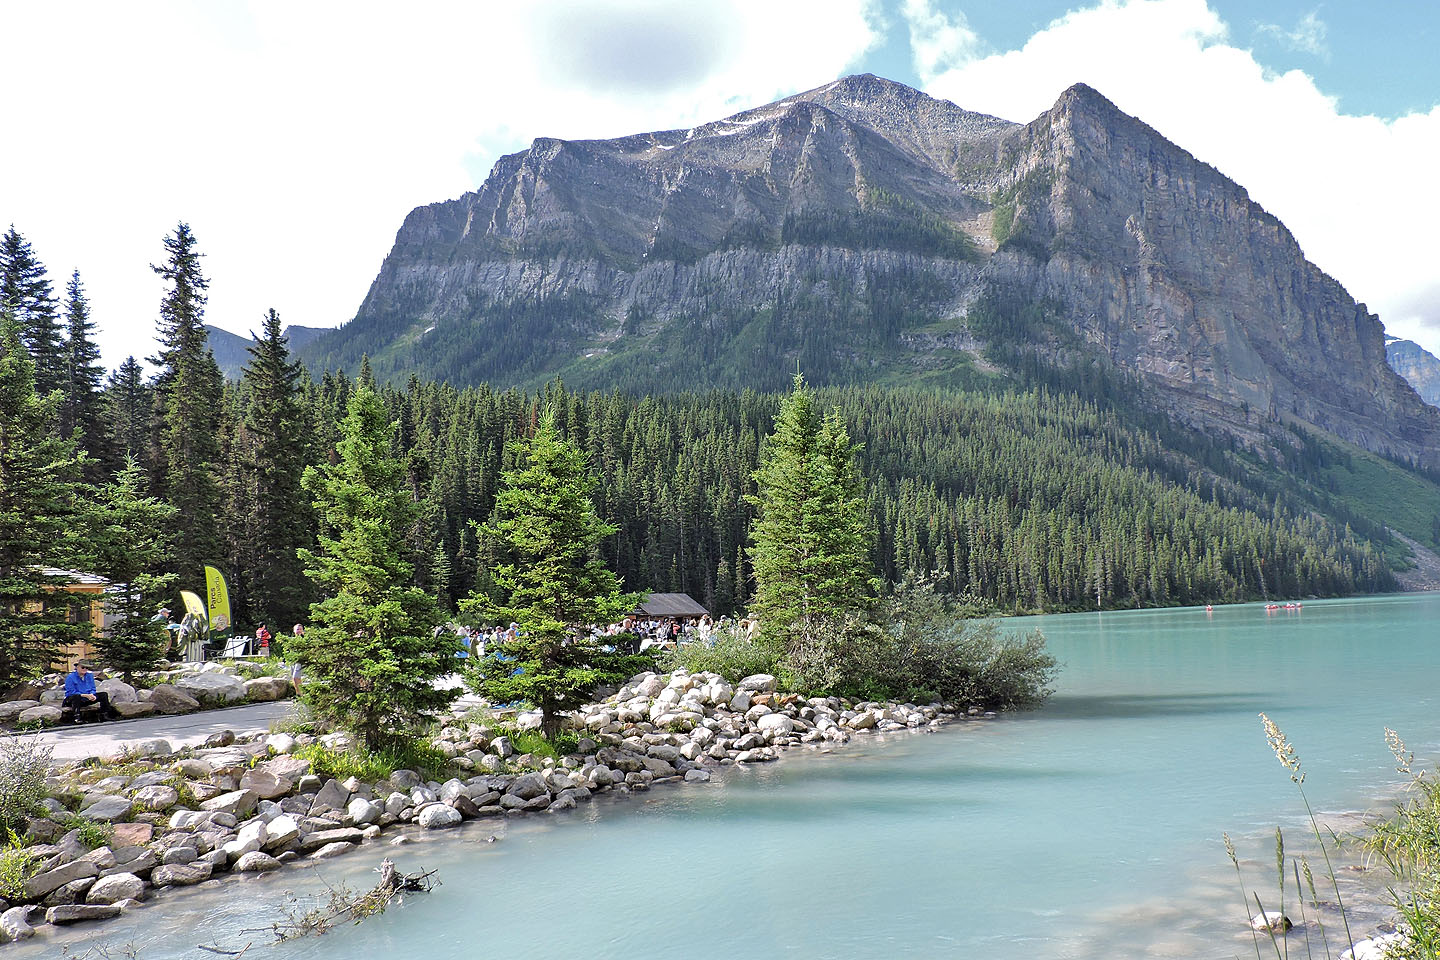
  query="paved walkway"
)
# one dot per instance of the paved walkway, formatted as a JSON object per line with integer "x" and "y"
{"x": 77, "y": 741}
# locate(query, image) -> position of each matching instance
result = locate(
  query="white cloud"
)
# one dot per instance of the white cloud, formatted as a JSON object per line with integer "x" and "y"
{"x": 294, "y": 137}
{"x": 1308, "y": 35}
{"x": 938, "y": 41}
{"x": 1357, "y": 191}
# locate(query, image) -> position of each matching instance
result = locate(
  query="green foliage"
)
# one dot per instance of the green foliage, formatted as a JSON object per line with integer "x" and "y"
{"x": 371, "y": 657}
{"x": 537, "y": 744}
{"x": 375, "y": 765}
{"x": 188, "y": 393}
{"x": 1408, "y": 844}
{"x": 17, "y": 865}
{"x": 810, "y": 537}
{"x": 274, "y": 515}
{"x": 129, "y": 544}
{"x": 549, "y": 580}
{"x": 82, "y": 405}
{"x": 882, "y": 221}
{"x": 734, "y": 655}
{"x": 26, "y": 297}
{"x": 38, "y": 471}
{"x": 24, "y": 762}
{"x": 127, "y": 408}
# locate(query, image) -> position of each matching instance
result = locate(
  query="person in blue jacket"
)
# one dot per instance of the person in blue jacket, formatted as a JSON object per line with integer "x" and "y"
{"x": 80, "y": 691}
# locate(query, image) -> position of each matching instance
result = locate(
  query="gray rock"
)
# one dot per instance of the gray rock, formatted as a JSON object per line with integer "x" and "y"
{"x": 280, "y": 831}
{"x": 265, "y": 784}
{"x": 12, "y": 709}
{"x": 194, "y": 768}
{"x": 44, "y": 714}
{"x": 502, "y": 747}
{"x": 76, "y": 912}
{"x": 116, "y": 887}
{"x": 697, "y": 776}
{"x": 438, "y": 815}
{"x": 332, "y": 796}
{"x": 775, "y": 725}
{"x": 251, "y": 837}
{"x": 108, "y": 809}
{"x": 213, "y": 688}
{"x": 119, "y": 691}
{"x": 237, "y": 803}
{"x": 318, "y": 839}
{"x": 451, "y": 789}
{"x": 170, "y": 700}
{"x": 14, "y": 925}
{"x": 267, "y": 688}
{"x": 256, "y": 861}
{"x": 132, "y": 710}
{"x": 157, "y": 797}
{"x": 757, "y": 683}
{"x": 180, "y": 874}
{"x": 286, "y": 767}
{"x": 364, "y": 811}
{"x": 44, "y": 883}
{"x": 332, "y": 850}
{"x": 405, "y": 780}
{"x": 180, "y": 855}
{"x": 528, "y": 786}
{"x": 740, "y": 702}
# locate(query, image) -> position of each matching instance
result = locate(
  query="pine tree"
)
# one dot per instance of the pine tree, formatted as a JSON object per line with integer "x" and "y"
{"x": 280, "y": 521}
{"x": 82, "y": 406}
{"x": 25, "y": 293}
{"x": 128, "y": 405}
{"x": 38, "y": 472}
{"x": 188, "y": 393}
{"x": 551, "y": 582}
{"x": 372, "y": 654}
{"x": 129, "y": 544}
{"x": 809, "y": 541}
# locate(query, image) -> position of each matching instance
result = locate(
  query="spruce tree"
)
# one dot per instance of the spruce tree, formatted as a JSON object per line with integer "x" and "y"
{"x": 550, "y": 581}
{"x": 129, "y": 544}
{"x": 25, "y": 293}
{"x": 809, "y": 540}
{"x": 128, "y": 405}
{"x": 371, "y": 655}
{"x": 188, "y": 393}
{"x": 82, "y": 405}
{"x": 38, "y": 472}
{"x": 280, "y": 522}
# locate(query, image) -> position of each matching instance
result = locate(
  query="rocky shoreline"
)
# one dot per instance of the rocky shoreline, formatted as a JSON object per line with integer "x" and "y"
{"x": 249, "y": 804}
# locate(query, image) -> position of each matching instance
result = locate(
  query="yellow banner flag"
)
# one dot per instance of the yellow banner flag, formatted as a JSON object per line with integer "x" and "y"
{"x": 193, "y": 604}
{"x": 219, "y": 602}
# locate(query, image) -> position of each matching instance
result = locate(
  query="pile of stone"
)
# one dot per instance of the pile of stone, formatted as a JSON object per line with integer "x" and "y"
{"x": 184, "y": 689}
{"x": 250, "y": 805}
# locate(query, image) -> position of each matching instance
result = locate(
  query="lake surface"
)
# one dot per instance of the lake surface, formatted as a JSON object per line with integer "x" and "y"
{"x": 1089, "y": 828}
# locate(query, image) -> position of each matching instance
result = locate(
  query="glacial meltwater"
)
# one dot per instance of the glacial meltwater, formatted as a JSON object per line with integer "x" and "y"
{"x": 1089, "y": 828}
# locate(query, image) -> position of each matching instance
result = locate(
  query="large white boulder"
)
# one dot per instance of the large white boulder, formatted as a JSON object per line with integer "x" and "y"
{"x": 213, "y": 687}
{"x": 119, "y": 690}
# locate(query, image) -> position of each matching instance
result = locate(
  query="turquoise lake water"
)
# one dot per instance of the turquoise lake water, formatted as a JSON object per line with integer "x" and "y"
{"x": 1089, "y": 828}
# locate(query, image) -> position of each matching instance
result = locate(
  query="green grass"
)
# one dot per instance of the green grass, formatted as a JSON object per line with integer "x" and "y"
{"x": 372, "y": 766}
{"x": 1383, "y": 491}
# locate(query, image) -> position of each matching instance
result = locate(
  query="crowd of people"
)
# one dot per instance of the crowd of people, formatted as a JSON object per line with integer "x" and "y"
{"x": 630, "y": 635}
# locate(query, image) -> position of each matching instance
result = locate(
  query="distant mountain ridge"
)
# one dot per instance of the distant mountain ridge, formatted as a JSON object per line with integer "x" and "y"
{"x": 867, "y": 231}
{"x": 1418, "y": 366}
{"x": 232, "y": 350}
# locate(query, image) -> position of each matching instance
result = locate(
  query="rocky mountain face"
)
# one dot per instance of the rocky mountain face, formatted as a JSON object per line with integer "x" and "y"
{"x": 1419, "y": 367}
{"x": 867, "y": 231}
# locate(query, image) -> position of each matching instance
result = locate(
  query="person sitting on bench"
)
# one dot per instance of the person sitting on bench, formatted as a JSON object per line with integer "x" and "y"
{"x": 80, "y": 692}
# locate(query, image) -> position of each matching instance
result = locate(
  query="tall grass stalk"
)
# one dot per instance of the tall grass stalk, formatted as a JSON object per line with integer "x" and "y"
{"x": 1290, "y": 760}
{"x": 1244, "y": 904}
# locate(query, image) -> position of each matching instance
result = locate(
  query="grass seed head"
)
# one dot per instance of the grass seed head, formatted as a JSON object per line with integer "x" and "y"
{"x": 1284, "y": 751}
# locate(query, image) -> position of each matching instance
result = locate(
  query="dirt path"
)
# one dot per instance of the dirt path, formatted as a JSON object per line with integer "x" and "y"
{"x": 100, "y": 739}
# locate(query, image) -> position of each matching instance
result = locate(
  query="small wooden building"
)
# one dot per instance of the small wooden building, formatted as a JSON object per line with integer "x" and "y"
{"x": 93, "y": 587}
{"x": 671, "y": 606}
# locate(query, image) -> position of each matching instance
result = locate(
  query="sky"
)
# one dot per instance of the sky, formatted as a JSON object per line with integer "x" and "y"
{"x": 295, "y": 137}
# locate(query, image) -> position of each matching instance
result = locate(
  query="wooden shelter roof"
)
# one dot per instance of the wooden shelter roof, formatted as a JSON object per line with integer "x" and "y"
{"x": 671, "y": 605}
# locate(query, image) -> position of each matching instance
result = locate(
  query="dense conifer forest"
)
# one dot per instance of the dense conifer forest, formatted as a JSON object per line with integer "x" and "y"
{"x": 1053, "y": 490}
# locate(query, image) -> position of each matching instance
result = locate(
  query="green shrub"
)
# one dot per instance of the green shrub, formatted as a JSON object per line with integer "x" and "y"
{"x": 734, "y": 655}
{"x": 920, "y": 647}
{"x": 89, "y": 832}
{"x": 535, "y": 743}
{"x": 374, "y": 765}
{"x": 24, "y": 761}
{"x": 17, "y": 865}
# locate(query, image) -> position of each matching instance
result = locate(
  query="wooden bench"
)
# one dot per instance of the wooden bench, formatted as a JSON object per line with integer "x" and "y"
{"x": 91, "y": 711}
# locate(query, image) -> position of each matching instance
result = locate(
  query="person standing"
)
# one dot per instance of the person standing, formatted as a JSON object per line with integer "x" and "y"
{"x": 80, "y": 691}
{"x": 294, "y": 655}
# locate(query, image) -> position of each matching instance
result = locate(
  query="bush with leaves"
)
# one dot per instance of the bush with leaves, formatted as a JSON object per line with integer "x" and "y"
{"x": 24, "y": 762}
